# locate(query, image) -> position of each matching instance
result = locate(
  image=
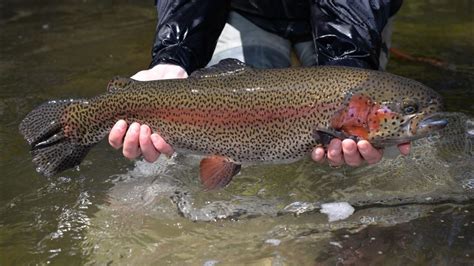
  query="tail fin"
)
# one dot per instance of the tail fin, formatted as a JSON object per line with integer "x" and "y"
{"x": 52, "y": 150}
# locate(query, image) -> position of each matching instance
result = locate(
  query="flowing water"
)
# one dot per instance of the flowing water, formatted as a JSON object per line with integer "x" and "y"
{"x": 408, "y": 210}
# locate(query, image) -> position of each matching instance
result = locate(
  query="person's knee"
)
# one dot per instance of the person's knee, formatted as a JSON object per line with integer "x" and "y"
{"x": 265, "y": 57}
{"x": 306, "y": 53}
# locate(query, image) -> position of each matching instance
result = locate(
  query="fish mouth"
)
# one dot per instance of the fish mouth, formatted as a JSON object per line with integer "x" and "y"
{"x": 431, "y": 123}
{"x": 414, "y": 127}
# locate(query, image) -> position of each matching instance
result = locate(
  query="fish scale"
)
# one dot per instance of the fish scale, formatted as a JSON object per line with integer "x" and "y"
{"x": 236, "y": 114}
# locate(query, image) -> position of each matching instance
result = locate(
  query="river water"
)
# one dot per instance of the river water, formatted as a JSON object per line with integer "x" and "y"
{"x": 408, "y": 210}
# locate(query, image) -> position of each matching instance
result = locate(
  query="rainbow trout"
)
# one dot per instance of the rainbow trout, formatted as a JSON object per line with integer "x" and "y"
{"x": 235, "y": 114}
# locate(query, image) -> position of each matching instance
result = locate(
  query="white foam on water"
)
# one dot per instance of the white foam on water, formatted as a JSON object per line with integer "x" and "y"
{"x": 273, "y": 242}
{"x": 337, "y": 210}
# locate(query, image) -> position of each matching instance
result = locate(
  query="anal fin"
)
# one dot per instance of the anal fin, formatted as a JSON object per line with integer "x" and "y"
{"x": 217, "y": 171}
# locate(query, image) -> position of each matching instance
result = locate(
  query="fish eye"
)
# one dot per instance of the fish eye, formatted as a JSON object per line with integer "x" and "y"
{"x": 409, "y": 106}
{"x": 410, "y": 109}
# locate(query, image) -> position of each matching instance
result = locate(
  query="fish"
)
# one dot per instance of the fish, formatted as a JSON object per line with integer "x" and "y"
{"x": 234, "y": 114}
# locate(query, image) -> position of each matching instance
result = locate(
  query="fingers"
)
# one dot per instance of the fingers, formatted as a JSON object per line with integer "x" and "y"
{"x": 368, "y": 152}
{"x": 335, "y": 157}
{"x": 131, "y": 148}
{"x": 161, "y": 71}
{"x": 146, "y": 146}
{"x": 117, "y": 133}
{"x": 351, "y": 154}
{"x": 138, "y": 140}
{"x": 404, "y": 148}
{"x": 161, "y": 145}
{"x": 318, "y": 154}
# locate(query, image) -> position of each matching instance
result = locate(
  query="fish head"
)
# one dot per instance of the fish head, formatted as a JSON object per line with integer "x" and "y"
{"x": 398, "y": 111}
{"x": 403, "y": 120}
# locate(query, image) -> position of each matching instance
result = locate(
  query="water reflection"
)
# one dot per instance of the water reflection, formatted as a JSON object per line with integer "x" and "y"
{"x": 444, "y": 237}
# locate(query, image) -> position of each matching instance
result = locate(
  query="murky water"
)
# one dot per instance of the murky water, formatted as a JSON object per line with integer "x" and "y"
{"x": 409, "y": 210}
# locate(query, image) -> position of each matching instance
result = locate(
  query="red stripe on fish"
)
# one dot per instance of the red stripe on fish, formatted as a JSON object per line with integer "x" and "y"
{"x": 258, "y": 115}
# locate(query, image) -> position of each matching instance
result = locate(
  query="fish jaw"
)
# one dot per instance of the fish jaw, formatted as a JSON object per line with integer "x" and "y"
{"x": 399, "y": 129}
{"x": 421, "y": 127}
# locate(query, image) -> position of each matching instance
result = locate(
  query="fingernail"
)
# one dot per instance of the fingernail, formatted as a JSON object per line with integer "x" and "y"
{"x": 134, "y": 128}
{"x": 363, "y": 145}
{"x": 144, "y": 129}
{"x": 154, "y": 137}
{"x": 320, "y": 153}
{"x": 349, "y": 146}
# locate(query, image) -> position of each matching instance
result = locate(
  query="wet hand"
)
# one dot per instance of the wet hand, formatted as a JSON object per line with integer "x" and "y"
{"x": 352, "y": 153}
{"x": 162, "y": 71}
{"x": 138, "y": 140}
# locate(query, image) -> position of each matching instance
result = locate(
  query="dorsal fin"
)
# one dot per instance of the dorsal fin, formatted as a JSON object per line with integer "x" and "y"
{"x": 119, "y": 83}
{"x": 229, "y": 66}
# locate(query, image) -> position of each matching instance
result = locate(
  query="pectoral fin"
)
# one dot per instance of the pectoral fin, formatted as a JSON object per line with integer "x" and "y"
{"x": 217, "y": 171}
{"x": 324, "y": 136}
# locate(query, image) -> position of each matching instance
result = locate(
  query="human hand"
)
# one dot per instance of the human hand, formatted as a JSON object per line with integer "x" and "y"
{"x": 352, "y": 153}
{"x": 138, "y": 139}
{"x": 161, "y": 71}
